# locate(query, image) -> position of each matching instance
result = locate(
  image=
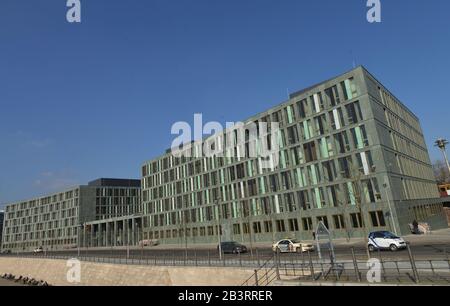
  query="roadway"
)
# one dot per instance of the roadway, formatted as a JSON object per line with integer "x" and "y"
{"x": 420, "y": 251}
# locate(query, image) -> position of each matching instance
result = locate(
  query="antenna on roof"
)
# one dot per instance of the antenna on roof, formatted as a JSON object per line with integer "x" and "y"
{"x": 287, "y": 92}
{"x": 353, "y": 59}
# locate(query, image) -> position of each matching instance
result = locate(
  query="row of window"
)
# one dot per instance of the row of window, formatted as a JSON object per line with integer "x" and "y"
{"x": 399, "y": 109}
{"x": 117, "y": 192}
{"x": 290, "y": 114}
{"x": 338, "y": 195}
{"x": 170, "y": 197}
{"x": 336, "y": 222}
{"x": 40, "y": 235}
{"x": 61, "y": 197}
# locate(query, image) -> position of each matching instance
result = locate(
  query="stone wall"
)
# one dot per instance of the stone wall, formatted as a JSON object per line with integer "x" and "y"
{"x": 98, "y": 274}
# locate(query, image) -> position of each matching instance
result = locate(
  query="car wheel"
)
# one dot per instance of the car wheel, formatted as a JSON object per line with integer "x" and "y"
{"x": 235, "y": 251}
{"x": 393, "y": 247}
{"x": 371, "y": 248}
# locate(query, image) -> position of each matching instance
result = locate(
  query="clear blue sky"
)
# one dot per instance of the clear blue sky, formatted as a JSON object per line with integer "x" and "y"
{"x": 97, "y": 99}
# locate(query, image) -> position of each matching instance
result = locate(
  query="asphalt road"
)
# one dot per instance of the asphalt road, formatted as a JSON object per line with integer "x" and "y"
{"x": 420, "y": 251}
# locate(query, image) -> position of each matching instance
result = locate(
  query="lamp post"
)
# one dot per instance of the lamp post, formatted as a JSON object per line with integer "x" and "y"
{"x": 219, "y": 232}
{"x": 442, "y": 144}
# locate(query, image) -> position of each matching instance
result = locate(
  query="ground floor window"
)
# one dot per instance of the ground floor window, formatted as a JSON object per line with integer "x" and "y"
{"x": 268, "y": 226}
{"x": 293, "y": 225}
{"x": 281, "y": 227}
{"x": 236, "y": 229}
{"x": 377, "y": 218}
{"x": 356, "y": 220}
{"x": 339, "y": 222}
{"x": 307, "y": 224}
{"x": 257, "y": 227}
{"x": 324, "y": 219}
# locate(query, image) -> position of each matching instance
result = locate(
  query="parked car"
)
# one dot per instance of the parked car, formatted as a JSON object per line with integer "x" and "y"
{"x": 292, "y": 246}
{"x": 148, "y": 242}
{"x": 38, "y": 250}
{"x": 384, "y": 240}
{"x": 6, "y": 252}
{"x": 232, "y": 247}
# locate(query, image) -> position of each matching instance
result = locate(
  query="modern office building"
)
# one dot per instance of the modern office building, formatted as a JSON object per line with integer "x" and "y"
{"x": 57, "y": 221}
{"x": 2, "y": 216}
{"x": 351, "y": 155}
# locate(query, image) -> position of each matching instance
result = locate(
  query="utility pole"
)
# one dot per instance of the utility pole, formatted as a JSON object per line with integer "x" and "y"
{"x": 442, "y": 144}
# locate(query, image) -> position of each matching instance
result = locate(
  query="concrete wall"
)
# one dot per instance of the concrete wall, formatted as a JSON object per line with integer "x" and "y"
{"x": 97, "y": 274}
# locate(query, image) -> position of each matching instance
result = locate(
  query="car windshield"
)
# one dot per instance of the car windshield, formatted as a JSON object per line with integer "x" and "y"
{"x": 295, "y": 241}
{"x": 390, "y": 235}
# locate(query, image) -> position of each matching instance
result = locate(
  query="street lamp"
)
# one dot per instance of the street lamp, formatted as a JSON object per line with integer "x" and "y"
{"x": 219, "y": 232}
{"x": 442, "y": 144}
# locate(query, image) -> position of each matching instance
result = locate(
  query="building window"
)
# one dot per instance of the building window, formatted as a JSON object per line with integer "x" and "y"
{"x": 339, "y": 222}
{"x": 323, "y": 219}
{"x": 292, "y": 134}
{"x": 303, "y": 108}
{"x": 354, "y": 113}
{"x": 268, "y": 226}
{"x": 336, "y": 118}
{"x": 310, "y": 151}
{"x": 257, "y": 227}
{"x": 303, "y": 200}
{"x": 307, "y": 224}
{"x": 332, "y": 94}
{"x": 210, "y": 230}
{"x": 349, "y": 89}
{"x": 281, "y": 227}
{"x": 377, "y": 218}
{"x": 236, "y": 229}
{"x": 293, "y": 225}
{"x": 356, "y": 220}
{"x": 246, "y": 228}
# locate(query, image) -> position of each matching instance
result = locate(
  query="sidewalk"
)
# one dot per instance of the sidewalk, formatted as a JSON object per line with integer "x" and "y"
{"x": 436, "y": 237}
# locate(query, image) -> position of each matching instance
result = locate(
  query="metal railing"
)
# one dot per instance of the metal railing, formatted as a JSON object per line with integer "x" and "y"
{"x": 190, "y": 258}
{"x": 356, "y": 268}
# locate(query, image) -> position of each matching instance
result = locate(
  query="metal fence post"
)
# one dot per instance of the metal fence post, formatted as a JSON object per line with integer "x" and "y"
{"x": 311, "y": 267}
{"x": 240, "y": 259}
{"x": 277, "y": 265}
{"x": 195, "y": 256}
{"x": 355, "y": 265}
{"x": 303, "y": 263}
{"x": 209, "y": 259}
{"x": 256, "y": 278}
{"x": 381, "y": 262}
{"x": 448, "y": 259}
{"x": 413, "y": 264}
{"x": 257, "y": 258}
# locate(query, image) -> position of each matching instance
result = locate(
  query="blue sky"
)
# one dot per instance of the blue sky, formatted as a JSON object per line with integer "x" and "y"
{"x": 97, "y": 99}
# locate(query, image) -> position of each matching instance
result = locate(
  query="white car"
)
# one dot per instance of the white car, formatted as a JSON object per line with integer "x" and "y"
{"x": 148, "y": 242}
{"x": 292, "y": 246}
{"x": 385, "y": 241}
{"x": 38, "y": 250}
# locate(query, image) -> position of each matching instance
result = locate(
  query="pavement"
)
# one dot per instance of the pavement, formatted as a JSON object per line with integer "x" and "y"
{"x": 441, "y": 237}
